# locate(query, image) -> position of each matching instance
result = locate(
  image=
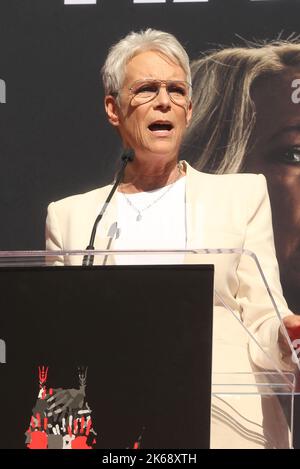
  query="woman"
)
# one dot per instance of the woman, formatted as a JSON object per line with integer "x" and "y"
{"x": 162, "y": 202}
{"x": 247, "y": 118}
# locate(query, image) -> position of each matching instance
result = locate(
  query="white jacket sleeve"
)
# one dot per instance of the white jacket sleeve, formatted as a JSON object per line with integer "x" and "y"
{"x": 258, "y": 312}
{"x": 53, "y": 234}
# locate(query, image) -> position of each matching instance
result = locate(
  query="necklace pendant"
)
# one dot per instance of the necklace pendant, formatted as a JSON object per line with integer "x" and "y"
{"x": 139, "y": 217}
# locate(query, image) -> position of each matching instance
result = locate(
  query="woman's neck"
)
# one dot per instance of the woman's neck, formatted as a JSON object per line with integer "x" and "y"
{"x": 139, "y": 178}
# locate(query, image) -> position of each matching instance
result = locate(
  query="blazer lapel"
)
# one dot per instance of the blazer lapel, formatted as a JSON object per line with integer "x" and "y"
{"x": 194, "y": 213}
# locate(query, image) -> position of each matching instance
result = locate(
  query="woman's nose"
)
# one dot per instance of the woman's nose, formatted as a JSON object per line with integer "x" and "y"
{"x": 162, "y": 98}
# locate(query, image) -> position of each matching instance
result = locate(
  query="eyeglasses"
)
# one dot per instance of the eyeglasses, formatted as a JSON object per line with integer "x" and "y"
{"x": 143, "y": 91}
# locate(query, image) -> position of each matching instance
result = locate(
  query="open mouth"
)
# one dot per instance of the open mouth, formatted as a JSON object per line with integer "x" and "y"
{"x": 160, "y": 126}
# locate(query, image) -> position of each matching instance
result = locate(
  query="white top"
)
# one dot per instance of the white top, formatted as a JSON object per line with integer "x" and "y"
{"x": 152, "y": 220}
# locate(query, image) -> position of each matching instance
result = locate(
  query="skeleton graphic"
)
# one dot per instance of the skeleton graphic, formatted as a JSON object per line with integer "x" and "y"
{"x": 61, "y": 418}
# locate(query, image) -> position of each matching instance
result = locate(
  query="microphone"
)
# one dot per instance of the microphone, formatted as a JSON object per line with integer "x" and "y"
{"x": 127, "y": 156}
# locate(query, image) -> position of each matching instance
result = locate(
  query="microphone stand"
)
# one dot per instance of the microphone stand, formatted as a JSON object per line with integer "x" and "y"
{"x": 88, "y": 259}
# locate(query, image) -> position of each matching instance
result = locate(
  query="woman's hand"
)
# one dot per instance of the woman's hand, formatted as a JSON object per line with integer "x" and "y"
{"x": 292, "y": 324}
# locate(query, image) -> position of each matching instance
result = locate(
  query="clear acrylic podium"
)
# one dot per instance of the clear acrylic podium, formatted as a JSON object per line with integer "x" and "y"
{"x": 252, "y": 395}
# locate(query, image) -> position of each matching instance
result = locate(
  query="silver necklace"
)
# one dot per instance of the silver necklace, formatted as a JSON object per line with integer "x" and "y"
{"x": 140, "y": 211}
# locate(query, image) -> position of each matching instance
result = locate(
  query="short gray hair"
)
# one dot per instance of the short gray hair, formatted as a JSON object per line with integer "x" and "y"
{"x": 113, "y": 70}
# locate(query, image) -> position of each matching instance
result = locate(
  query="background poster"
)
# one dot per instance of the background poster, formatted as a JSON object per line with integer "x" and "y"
{"x": 54, "y": 137}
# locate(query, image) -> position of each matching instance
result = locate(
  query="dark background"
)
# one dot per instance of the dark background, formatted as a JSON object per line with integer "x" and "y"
{"x": 54, "y": 138}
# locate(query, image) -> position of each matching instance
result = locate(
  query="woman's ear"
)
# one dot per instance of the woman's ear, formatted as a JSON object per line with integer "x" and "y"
{"x": 112, "y": 110}
{"x": 189, "y": 114}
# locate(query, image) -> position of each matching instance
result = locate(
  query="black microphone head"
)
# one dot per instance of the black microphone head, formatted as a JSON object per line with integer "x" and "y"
{"x": 128, "y": 154}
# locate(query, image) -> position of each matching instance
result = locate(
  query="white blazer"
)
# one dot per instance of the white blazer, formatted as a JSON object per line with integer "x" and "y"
{"x": 222, "y": 211}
